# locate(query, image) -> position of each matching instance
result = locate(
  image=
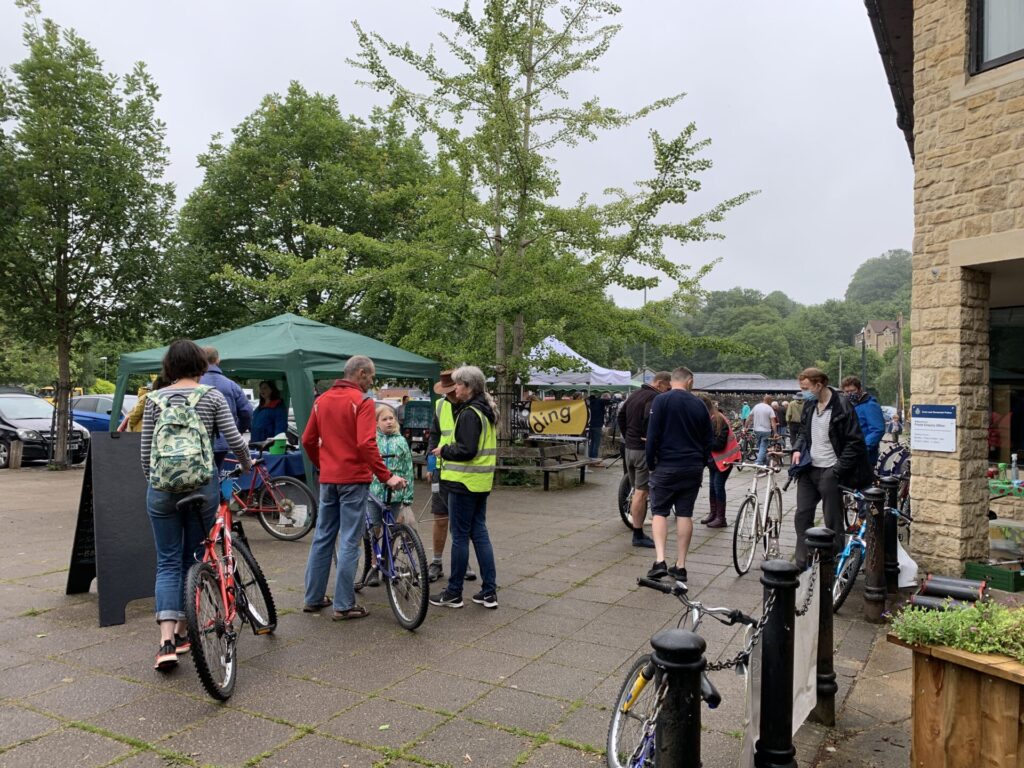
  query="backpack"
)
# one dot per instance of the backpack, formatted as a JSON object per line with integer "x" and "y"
{"x": 181, "y": 458}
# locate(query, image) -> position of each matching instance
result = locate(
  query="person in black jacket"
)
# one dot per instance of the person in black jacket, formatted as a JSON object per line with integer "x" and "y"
{"x": 830, "y": 435}
{"x": 632, "y": 419}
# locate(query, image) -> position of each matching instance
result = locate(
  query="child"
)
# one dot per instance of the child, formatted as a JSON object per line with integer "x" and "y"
{"x": 393, "y": 446}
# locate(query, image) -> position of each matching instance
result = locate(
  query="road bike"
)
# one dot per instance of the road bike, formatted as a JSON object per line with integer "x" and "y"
{"x": 223, "y": 590}
{"x": 285, "y": 506}
{"x": 852, "y": 557}
{"x": 758, "y": 522}
{"x": 631, "y": 733}
{"x": 395, "y": 552}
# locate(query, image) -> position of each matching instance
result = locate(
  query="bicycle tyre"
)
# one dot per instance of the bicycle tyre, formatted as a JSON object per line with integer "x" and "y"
{"x": 846, "y": 575}
{"x": 745, "y": 534}
{"x": 282, "y": 518}
{"x": 408, "y": 588}
{"x": 213, "y": 640}
{"x": 256, "y": 602}
{"x": 364, "y": 563}
{"x": 625, "y": 501}
{"x": 626, "y": 728}
{"x": 850, "y": 512}
{"x": 773, "y": 527}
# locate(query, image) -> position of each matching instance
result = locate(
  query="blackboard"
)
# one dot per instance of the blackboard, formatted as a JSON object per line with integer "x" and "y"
{"x": 113, "y": 540}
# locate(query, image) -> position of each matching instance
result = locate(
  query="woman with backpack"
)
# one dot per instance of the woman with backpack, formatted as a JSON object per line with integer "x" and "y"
{"x": 178, "y": 425}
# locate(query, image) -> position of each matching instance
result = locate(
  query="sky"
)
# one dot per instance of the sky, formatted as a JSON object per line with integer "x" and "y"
{"x": 791, "y": 94}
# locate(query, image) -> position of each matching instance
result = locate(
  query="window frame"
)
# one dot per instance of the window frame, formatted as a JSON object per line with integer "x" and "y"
{"x": 976, "y": 64}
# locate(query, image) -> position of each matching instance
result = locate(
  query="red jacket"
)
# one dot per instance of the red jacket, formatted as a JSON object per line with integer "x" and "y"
{"x": 341, "y": 436}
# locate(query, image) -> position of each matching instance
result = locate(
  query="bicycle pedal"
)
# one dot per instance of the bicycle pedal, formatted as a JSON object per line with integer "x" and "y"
{"x": 264, "y": 631}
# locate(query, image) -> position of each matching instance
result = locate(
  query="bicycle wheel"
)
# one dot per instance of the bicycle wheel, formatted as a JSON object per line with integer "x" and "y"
{"x": 846, "y": 575}
{"x": 849, "y": 510}
{"x": 773, "y": 527}
{"x": 254, "y": 598}
{"x": 212, "y": 637}
{"x": 407, "y": 584}
{"x": 286, "y": 509}
{"x": 626, "y": 731}
{"x": 745, "y": 536}
{"x": 626, "y": 501}
{"x": 365, "y": 562}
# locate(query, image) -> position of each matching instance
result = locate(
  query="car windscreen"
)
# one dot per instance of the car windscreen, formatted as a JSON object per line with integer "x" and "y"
{"x": 25, "y": 408}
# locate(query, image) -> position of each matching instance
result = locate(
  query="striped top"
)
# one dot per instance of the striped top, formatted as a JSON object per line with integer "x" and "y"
{"x": 822, "y": 453}
{"x": 212, "y": 410}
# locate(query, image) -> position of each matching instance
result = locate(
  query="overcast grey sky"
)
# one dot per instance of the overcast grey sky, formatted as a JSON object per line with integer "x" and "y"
{"x": 792, "y": 95}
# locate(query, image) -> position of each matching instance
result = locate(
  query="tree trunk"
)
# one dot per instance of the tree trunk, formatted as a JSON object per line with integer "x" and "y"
{"x": 62, "y": 402}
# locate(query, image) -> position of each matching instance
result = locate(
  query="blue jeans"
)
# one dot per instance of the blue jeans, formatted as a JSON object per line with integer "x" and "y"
{"x": 716, "y": 485}
{"x": 762, "y": 445}
{"x": 341, "y": 510}
{"x": 595, "y": 442}
{"x": 177, "y": 536}
{"x": 467, "y": 521}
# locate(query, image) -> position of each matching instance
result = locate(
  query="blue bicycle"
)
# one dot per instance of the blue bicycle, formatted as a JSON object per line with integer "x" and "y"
{"x": 852, "y": 557}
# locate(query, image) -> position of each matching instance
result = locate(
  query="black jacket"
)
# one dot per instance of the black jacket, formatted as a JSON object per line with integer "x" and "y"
{"x": 634, "y": 415}
{"x": 467, "y": 435}
{"x": 844, "y": 433}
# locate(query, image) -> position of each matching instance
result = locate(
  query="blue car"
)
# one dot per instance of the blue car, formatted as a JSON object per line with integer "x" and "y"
{"x": 93, "y": 411}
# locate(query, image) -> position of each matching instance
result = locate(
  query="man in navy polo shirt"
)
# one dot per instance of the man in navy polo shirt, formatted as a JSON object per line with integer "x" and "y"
{"x": 238, "y": 403}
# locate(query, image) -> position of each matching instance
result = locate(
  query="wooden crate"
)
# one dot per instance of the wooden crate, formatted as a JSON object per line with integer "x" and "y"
{"x": 967, "y": 709}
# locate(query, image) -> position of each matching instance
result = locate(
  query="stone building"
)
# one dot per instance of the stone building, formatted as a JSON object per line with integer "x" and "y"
{"x": 878, "y": 335}
{"x": 956, "y": 71}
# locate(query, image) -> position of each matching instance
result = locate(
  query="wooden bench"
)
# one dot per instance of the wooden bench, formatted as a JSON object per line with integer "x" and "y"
{"x": 556, "y": 457}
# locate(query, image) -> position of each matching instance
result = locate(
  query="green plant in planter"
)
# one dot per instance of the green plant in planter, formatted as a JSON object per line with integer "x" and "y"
{"x": 979, "y": 628}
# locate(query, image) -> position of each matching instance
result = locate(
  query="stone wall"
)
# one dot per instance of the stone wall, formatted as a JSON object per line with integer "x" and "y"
{"x": 969, "y": 182}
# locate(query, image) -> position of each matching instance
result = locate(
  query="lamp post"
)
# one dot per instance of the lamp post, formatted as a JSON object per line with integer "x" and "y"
{"x": 103, "y": 359}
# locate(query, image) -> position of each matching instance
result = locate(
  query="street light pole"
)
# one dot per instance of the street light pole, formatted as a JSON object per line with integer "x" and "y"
{"x": 103, "y": 359}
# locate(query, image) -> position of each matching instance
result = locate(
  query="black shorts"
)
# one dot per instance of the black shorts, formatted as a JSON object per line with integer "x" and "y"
{"x": 439, "y": 502}
{"x": 675, "y": 487}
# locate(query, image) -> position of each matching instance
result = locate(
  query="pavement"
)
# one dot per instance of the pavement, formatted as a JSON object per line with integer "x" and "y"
{"x": 529, "y": 684}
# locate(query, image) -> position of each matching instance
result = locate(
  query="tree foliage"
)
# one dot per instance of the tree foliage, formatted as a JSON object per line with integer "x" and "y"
{"x": 87, "y": 213}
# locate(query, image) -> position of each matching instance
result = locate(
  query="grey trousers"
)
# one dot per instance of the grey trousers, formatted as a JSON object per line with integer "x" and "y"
{"x": 818, "y": 484}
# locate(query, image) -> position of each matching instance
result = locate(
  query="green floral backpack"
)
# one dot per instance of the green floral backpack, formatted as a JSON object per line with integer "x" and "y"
{"x": 181, "y": 458}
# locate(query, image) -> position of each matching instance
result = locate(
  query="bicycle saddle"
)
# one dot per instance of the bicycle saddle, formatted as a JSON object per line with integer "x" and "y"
{"x": 192, "y": 500}
{"x": 261, "y": 445}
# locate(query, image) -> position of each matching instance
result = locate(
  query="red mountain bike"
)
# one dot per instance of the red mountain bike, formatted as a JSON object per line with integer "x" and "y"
{"x": 224, "y": 590}
{"x": 285, "y": 506}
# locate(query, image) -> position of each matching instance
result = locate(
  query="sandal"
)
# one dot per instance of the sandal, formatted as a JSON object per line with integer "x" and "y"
{"x": 317, "y": 606}
{"x": 355, "y": 612}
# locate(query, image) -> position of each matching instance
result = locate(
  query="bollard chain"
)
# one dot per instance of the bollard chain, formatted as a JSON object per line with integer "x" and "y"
{"x": 815, "y": 568}
{"x": 650, "y": 723}
{"x": 743, "y": 656}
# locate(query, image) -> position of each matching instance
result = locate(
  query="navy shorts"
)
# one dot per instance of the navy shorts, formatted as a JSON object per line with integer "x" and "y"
{"x": 675, "y": 487}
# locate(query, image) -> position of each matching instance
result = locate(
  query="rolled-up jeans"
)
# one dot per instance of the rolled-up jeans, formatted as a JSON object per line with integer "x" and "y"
{"x": 341, "y": 519}
{"x": 177, "y": 536}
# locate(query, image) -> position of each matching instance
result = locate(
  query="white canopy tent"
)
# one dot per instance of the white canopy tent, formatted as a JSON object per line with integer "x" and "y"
{"x": 593, "y": 376}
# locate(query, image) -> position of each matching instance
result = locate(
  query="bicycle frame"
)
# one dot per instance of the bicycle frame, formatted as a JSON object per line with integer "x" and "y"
{"x": 223, "y": 565}
{"x": 857, "y": 539}
{"x": 247, "y": 502}
{"x": 382, "y": 545}
{"x": 761, "y": 505}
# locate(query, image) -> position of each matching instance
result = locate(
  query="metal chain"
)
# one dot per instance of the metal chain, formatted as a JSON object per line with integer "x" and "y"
{"x": 815, "y": 567}
{"x": 651, "y": 722}
{"x": 755, "y": 636}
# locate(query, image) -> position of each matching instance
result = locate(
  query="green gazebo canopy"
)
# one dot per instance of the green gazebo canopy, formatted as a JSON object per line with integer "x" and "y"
{"x": 289, "y": 347}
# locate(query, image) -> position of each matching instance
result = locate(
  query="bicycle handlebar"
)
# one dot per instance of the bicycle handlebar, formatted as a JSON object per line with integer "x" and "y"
{"x": 673, "y": 589}
{"x": 727, "y": 616}
{"x": 708, "y": 692}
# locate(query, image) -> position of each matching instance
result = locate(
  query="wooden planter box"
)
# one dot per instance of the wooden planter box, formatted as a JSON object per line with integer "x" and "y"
{"x": 967, "y": 709}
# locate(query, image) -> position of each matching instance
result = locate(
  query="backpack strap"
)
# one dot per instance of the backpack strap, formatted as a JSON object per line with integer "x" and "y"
{"x": 197, "y": 395}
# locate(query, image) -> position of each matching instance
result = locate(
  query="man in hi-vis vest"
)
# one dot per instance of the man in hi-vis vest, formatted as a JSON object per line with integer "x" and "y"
{"x": 467, "y": 460}
{"x": 444, "y": 425}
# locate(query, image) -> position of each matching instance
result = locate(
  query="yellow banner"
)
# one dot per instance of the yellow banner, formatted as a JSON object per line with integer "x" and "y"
{"x": 558, "y": 417}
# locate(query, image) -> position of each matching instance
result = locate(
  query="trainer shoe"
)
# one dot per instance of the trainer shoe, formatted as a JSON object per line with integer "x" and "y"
{"x": 166, "y": 657}
{"x": 643, "y": 540}
{"x": 181, "y": 644}
{"x": 658, "y": 570}
{"x": 470, "y": 575}
{"x": 677, "y": 573}
{"x": 435, "y": 572}
{"x": 373, "y": 580}
{"x": 446, "y": 599}
{"x": 486, "y": 599}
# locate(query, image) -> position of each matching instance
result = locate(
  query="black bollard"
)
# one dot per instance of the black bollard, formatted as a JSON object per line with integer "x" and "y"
{"x": 677, "y": 733}
{"x": 774, "y": 747}
{"x": 819, "y": 540}
{"x": 890, "y": 485}
{"x": 874, "y": 561}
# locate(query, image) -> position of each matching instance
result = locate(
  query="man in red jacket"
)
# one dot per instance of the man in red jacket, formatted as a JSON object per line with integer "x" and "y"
{"x": 341, "y": 441}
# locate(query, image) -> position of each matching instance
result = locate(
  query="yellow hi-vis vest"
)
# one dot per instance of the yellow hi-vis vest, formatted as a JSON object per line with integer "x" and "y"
{"x": 445, "y": 420}
{"x": 477, "y": 474}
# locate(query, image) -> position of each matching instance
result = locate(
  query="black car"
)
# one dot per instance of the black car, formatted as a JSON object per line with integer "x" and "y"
{"x": 29, "y": 418}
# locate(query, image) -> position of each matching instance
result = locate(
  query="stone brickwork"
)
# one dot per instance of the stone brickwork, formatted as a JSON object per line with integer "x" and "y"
{"x": 969, "y": 182}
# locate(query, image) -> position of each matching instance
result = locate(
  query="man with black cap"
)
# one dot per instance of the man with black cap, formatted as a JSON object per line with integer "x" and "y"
{"x": 444, "y": 424}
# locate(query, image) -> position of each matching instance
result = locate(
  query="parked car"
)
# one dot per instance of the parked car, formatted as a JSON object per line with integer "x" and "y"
{"x": 29, "y": 418}
{"x": 93, "y": 411}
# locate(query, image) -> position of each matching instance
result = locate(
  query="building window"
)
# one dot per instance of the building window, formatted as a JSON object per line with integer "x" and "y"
{"x": 997, "y": 33}
{"x": 1006, "y": 350}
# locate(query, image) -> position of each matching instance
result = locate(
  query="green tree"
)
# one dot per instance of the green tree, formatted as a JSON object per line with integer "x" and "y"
{"x": 495, "y": 122}
{"x": 885, "y": 278}
{"x": 90, "y": 214}
{"x": 296, "y": 173}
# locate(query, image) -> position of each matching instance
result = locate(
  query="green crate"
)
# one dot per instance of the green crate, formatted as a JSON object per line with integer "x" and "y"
{"x": 1008, "y": 579}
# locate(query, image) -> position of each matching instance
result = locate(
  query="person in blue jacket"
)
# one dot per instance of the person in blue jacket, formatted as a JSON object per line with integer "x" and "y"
{"x": 271, "y": 417}
{"x": 238, "y": 403}
{"x": 869, "y": 414}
